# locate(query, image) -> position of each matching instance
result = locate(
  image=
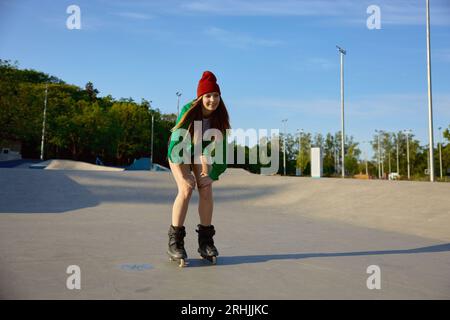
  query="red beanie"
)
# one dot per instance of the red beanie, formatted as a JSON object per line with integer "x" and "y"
{"x": 207, "y": 84}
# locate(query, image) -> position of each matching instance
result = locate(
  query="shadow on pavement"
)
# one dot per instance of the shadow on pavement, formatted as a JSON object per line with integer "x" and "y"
{"x": 53, "y": 191}
{"x": 28, "y": 191}
{"x": 234, "y": 260}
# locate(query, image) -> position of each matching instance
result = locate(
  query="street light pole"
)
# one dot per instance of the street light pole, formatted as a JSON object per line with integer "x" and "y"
{"x": 430, "y": 101}
{"x": 335, "y": 161}
{"x": 398, "y": 170}
{"x": 365, "y": 156}
{"x": 43, "y": 123}
{"x": 440, "y": 152}
{"x": 342, "y": 52}
{"x": 284, "y": 146}
{"x": 389, "y": 157}
{"x": 379, "y": 154}
{"x": 151, "y": 138}
{"x": 178, "y": 103}
{"x": 151, "y": 157}
{"x": 382, "y": 156}
{"x": 407, "y": 151}
{"x": 367, "y": 165}
{"x": 300, "y": 150}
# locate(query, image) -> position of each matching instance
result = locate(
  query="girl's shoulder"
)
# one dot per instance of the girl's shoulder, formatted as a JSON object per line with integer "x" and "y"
{"x": 185, "y": 108}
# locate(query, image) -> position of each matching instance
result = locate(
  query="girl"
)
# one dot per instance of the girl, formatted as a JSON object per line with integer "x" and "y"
{"x": 209, "y": 109}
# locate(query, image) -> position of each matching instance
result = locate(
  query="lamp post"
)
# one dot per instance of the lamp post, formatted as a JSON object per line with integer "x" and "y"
{"x": 300, "y": 132}
{"x": 342, "y": 52}
{"x": 407, "y": 132}
{"x": 365, "y": 156}
{"x": 367, "y": 166}
{"x": 284, "y": 146}
{"x": 178, "y": 102}
{"x": 430, "y": 100}
{"x": 389, "y": 157}
{"x": 43, "y": 123}
{"x": 151, "y": 157}
{"x": 398, "y": 167}
{"x": 379, "y": 153}
{"x": 440, "y": 152}
{"x": 151, "y": 143}
{"x": 336, "y": 165}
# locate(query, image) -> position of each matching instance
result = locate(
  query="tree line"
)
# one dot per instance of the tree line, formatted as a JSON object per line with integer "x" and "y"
{"x": 81, "y": 125}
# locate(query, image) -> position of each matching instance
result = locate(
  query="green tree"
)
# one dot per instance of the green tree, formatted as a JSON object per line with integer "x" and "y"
{"x": 91, "y": 91}
{"x": 329, "y": 159}
{"x": 304, "y": 156}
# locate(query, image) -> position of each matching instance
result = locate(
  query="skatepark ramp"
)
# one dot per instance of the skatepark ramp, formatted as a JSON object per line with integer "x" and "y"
{"x": 58, "y": 164}
{"x": 145, "y": 164}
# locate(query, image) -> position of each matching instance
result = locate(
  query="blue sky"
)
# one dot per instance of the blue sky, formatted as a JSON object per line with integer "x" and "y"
{"x": 273, "y": 59}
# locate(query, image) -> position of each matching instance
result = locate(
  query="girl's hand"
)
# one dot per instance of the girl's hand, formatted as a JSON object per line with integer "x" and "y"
{"x": 204, "y": 180}
{"x": 189, "y": 179}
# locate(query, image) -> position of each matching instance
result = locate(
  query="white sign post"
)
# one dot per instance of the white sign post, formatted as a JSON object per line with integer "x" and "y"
{"x": 316, "y": 163}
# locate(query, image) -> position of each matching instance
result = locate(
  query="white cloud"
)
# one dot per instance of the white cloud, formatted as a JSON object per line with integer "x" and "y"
{"x": 347, "y": 12}
{"x": 324, "y": 64}
{"x": 240, "y": 40}
{"x": 390, "y": 112}
{"x": 401, "y": 105}
{"x": 320, "y": 106}
{"x": 398, "y": 12}
{"x": 134, "y": 15}
{"x": 268, "y": 8}
{"x": 405, "y": 12}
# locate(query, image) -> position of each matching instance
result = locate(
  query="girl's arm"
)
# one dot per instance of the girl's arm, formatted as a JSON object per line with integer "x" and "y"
{"x": 204, "y": 162}
{"x": 205, "y": 180}
{"x": 218, "y": 168}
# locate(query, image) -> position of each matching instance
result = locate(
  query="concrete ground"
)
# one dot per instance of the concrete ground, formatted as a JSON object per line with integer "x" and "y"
{"x": 278, "y": 237}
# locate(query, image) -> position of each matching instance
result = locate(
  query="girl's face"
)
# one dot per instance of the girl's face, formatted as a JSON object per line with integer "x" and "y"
{"x": 210, "y": 103}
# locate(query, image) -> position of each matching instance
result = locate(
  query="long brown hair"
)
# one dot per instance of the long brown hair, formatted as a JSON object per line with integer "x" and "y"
{"x": 219, "y": 118}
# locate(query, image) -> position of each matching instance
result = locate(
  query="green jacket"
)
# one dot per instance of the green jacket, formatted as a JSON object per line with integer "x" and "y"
{"x": 216, "y": 168}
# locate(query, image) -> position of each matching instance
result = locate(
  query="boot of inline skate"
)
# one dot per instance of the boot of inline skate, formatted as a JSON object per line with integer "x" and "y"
{"x": 176, "y": 249}
{"x": 206, "y": 246}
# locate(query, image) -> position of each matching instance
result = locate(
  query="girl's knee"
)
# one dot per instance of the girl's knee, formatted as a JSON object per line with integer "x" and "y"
{"x": 185, "y": 193}
{"x": 186, "y": 189}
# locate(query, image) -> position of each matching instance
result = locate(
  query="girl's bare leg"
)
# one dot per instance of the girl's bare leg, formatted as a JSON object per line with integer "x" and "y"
{"x": 205, "y": 203}
{"x": 186, "y": 184}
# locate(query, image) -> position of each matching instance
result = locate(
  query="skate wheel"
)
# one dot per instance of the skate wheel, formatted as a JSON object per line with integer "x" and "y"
{"x": 183, "y": 263}
{"x": 212, "y": 259}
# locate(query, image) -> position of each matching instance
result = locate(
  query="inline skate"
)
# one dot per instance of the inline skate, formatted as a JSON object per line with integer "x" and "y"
{"x": 176, "y": 249}
{"x": 206, "y": 246}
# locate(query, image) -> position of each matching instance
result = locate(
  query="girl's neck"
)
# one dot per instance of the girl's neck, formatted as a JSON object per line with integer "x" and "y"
{"x": 206, "y": 114}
